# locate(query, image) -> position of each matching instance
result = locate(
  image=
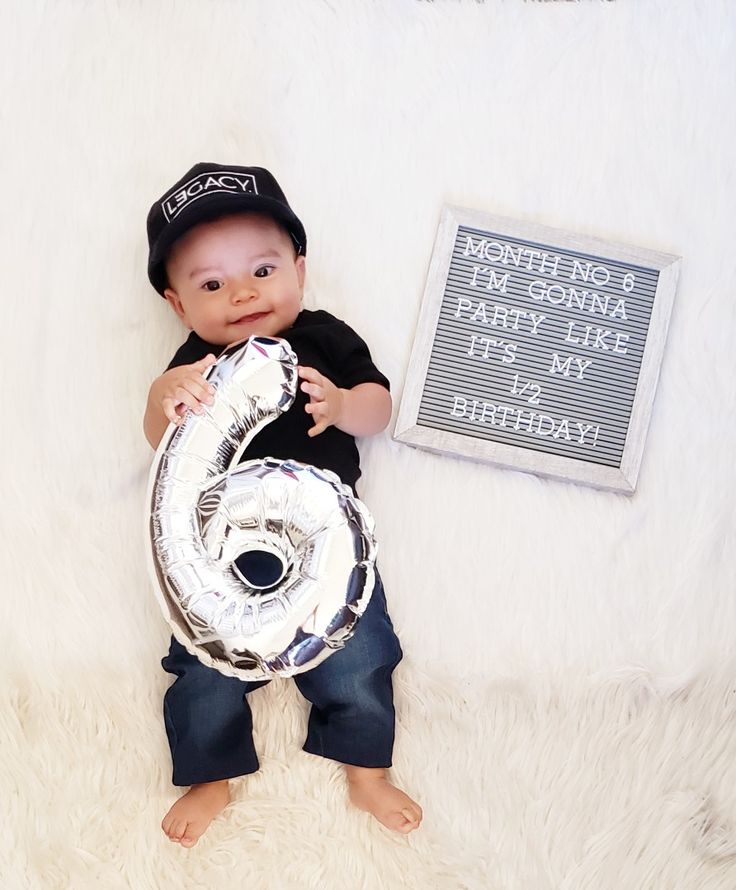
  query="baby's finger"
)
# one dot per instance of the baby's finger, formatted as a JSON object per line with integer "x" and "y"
{"x": 169, "y": 407}
{"x": 317, "y": 409}
{"x": 311, "y": 374}
{"x": 181, "y": 394}
{"x": 314, "y": 390}
{"x": 318, "y": 428}
{"x": 200, "y": 389}
{"x": 205, "y": 362}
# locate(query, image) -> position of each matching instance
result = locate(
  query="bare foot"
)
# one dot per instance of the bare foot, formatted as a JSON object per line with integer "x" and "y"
{"x": 371, "y": 790}
{"x": 188, "y": 819}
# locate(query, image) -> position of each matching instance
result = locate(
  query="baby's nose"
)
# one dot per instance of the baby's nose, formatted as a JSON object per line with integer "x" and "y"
{"x": 245, "y": 291}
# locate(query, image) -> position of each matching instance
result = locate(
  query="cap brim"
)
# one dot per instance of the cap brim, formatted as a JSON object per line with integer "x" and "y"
{"x": 211, "y": 207}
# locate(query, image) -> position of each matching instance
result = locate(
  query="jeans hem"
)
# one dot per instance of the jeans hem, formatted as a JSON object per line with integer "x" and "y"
{"x": 200, "y": 780}
{"x": 349, "y": 761}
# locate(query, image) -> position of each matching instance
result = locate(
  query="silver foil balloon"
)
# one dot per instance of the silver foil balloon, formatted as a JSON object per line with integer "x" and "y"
{"x": 262, "y": 568}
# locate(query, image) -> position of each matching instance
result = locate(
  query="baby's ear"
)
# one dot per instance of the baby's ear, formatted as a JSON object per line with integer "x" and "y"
{"x": 172, "y": 298}
{"x": 301, "y": 269}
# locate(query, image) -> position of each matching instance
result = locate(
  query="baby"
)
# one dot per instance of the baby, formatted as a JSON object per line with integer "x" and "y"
{"x": 228, "y": 255}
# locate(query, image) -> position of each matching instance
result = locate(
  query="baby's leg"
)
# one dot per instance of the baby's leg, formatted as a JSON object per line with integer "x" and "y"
{"x": 209, "y": 728}
{"x": 352, "y": 716}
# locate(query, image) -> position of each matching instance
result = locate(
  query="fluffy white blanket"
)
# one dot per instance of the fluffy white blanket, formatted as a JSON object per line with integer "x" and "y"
{"x": 566, "y": 703}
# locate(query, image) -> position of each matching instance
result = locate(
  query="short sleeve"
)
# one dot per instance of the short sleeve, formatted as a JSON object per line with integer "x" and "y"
{"x": 191, "y": 350}
{"x": 353, "y": 360}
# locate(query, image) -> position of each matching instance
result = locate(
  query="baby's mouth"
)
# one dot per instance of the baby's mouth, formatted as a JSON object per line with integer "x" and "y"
{"x": 246, "y": 319}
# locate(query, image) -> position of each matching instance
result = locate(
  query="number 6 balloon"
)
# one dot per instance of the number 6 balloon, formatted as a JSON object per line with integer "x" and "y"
{"x": 261, "y": 568}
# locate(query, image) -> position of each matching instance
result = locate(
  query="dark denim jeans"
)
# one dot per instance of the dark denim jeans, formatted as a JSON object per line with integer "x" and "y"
{"x": 208, "y": 718}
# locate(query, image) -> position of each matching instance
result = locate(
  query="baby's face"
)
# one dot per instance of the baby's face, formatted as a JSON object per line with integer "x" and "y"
{"x": 236, "y": 277}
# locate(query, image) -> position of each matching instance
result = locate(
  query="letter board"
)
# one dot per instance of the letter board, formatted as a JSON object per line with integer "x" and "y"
{"x": 538, "y": 349}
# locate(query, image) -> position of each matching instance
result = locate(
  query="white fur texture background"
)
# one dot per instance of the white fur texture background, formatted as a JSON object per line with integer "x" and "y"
{"x": 567, "y": 701}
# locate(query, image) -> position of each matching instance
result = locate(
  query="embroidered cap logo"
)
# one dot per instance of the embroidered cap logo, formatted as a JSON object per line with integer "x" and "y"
{"x": 206, "y": 184}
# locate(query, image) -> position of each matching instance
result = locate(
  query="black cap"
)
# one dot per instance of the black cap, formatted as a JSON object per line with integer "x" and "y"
{"x": 207, "y": 192}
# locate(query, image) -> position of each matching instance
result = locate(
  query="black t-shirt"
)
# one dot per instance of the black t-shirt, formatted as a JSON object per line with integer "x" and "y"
{"x": 323, "y": 342}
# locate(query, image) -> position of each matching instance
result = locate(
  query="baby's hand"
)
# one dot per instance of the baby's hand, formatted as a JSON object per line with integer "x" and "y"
{"x": 184, "y": 387}
{"x": 325, "y": 400}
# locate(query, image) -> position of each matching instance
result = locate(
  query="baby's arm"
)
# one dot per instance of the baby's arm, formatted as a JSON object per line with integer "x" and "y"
{"x": 361, "y": 411}
{"x": 172, "y": 393}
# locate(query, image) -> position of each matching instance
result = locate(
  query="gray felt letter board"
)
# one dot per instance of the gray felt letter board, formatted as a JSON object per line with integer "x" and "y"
{"x": 538, "y": 349}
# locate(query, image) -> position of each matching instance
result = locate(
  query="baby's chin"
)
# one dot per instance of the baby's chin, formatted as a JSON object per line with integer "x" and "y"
{"x": 230, "y": 338}
{"x": 268, "y": 326}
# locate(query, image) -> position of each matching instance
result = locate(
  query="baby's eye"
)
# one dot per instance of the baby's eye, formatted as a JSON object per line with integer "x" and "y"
{"x": 212, "y": 285}
{"x": 264, "y": 271}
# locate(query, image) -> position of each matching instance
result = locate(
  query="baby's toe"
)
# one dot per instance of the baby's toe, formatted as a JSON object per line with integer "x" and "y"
{"x": 169, "y": 824}
{"x": 396, "y": 821}
{"x": 177, "y": 829}
{"x": 409, "y": 819}
{"x": 193, "y": 832}
{"x": 170, "y": 820}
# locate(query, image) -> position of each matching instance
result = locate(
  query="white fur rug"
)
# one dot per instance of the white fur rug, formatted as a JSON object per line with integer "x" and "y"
{"x": 566, "y": 704}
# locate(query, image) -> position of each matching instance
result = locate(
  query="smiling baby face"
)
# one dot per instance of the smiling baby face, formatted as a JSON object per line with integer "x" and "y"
{"x": 236, "y": 277}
